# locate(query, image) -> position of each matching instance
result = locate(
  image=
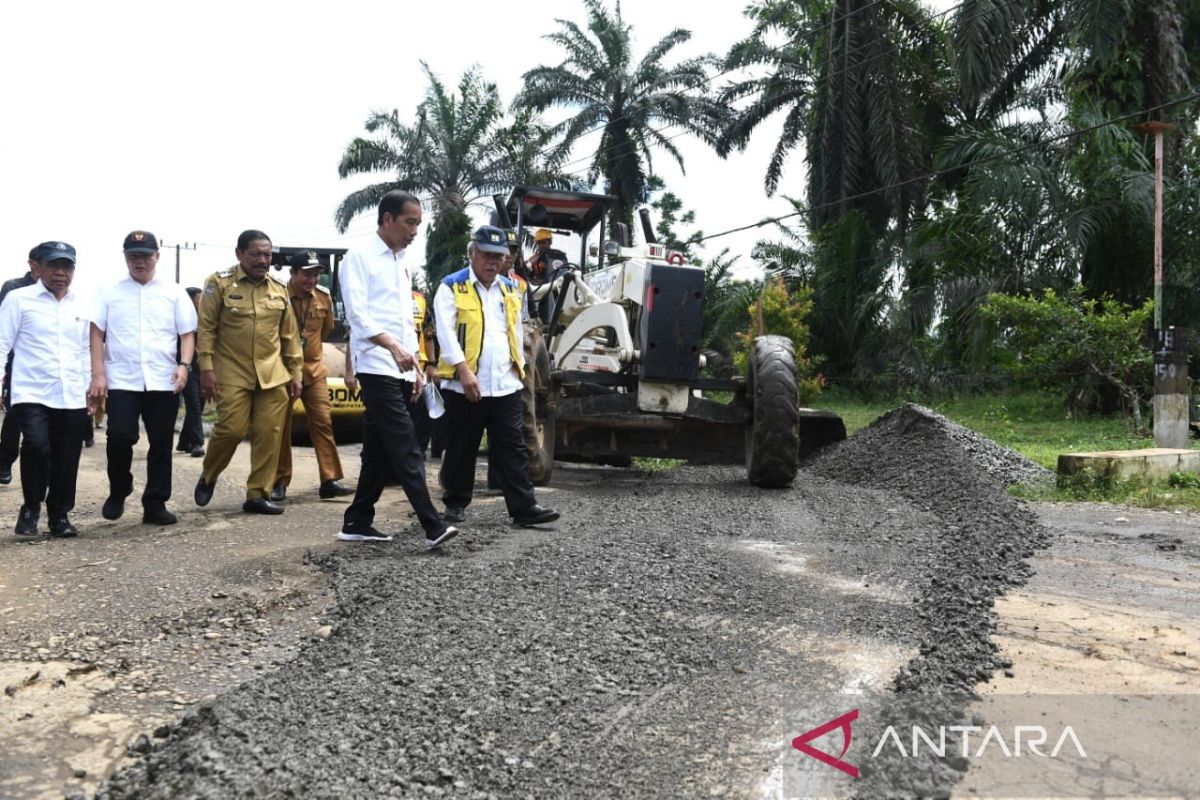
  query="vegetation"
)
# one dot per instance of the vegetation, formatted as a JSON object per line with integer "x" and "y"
{"x": 629, "y": 100}
{"x": 970, "y": 195}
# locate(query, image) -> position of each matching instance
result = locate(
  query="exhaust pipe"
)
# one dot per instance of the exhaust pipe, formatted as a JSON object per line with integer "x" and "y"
{"x": 502, "y": 211}
{"x": 647, "y": 226}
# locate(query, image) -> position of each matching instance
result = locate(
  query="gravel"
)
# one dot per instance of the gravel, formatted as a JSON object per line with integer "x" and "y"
{"x": 646, "y": 647}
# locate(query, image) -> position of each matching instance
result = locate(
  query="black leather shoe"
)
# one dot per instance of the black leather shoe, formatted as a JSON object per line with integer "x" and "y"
{"x": 62, "y": 528}
{"x": 261, "y": 505}
{"x": 197, "y": 452}
{"x": 6, "y": 475}
{"x": 279, "y": 492}
{"x": 89, "y": 442}
{"x": 330, "y": 489}
{"x": 113, "y": 507}
{"x": 204, "y": 491}
{"x": 535, "y": 515}
{"x": 158, "y": 516}
{"x": 455, "y": 514}
{"x": 27, "y": 522}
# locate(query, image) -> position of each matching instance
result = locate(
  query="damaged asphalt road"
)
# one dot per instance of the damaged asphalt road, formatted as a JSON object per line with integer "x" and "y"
{"x": 664, "y": 639}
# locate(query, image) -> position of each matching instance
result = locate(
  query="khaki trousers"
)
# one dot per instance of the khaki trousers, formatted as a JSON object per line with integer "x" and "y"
{"x": 320, "y": 429}
{"x": 260, "y": 412}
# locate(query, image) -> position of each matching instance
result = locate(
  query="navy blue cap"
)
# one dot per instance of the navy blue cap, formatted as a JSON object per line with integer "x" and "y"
{"x": 140, "y": 242}
{"x": 491, "y": 239}
{"x": 55, "y": 251}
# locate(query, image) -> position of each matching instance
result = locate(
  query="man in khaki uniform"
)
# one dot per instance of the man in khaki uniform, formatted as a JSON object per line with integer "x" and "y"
{"x": 313, "y": 308}
{"x": 250, "y": 358}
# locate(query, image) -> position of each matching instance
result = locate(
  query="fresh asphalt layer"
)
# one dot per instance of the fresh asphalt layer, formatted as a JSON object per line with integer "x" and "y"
{"x": 668, "y": 637}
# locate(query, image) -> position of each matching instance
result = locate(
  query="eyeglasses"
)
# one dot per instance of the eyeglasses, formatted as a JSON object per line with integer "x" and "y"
{"x": 57, "y": 266}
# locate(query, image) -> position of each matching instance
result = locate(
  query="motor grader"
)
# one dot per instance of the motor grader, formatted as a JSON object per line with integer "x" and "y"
{"x": 614, "y": 362}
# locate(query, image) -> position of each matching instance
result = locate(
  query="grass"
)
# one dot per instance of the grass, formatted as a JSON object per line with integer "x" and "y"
{"x": 1039, "y": 427}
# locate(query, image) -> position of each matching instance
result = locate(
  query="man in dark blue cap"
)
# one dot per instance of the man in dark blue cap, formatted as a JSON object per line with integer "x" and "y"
{"x": 45, "y": 327}
{"x": 478, "y": 315}
{"x": 10, "y": 434}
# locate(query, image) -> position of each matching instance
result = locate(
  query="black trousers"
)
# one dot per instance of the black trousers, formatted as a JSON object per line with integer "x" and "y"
{"x": 52, "y": 442}
{"x": 390, "y": 448}
{"x": 191, "y": 435}
{"x": 10, "y": 432}
{"x": 157, "y": 410}
{"x": 465, "y": 424}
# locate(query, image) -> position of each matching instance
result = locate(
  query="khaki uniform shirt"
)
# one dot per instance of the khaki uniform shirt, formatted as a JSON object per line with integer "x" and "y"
{"x": 247, "y": 333}
{"x": 314, "y": 316}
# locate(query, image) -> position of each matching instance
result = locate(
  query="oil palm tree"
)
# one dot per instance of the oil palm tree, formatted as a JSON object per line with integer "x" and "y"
{"x": 635, "y": 103}
{"x": 458, "y": 150}
{"x": 448, "y": 155}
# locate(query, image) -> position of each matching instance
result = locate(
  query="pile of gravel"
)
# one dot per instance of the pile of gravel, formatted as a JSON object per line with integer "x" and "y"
{"x": 987, "y": 535}
{"x": 912, "y": 424}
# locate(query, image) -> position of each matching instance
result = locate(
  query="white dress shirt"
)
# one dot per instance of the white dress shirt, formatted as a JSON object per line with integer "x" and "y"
{"x": 142, "y": 324}
{"x": 48, "y": 338}
{"x": 377, "y": 293}
{"x": 495, "y": 372}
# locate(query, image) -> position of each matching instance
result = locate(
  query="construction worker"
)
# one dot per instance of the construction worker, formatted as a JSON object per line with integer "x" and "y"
{"x": 313, "y": 308}
{"x": 544, "y": 257}
{"x": 507, "y": 269}
{"x": 478, "y": 316}
{"x": 250, "y": 365}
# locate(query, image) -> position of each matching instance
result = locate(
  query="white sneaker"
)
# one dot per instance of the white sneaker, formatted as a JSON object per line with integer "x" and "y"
{"x": 363, "y": 535}
{"x": 449, "y": 533}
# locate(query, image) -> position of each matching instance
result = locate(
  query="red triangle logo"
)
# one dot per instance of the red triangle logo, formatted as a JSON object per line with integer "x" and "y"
{"x": 801, "y": 743}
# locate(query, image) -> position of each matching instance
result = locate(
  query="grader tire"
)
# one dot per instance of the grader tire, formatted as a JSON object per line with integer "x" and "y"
{"x": 536, "y": 415}
{"x": 773, "y": 437}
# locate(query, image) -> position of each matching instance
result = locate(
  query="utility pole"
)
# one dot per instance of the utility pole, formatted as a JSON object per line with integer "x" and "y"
{"x": 178, "y": 247}
{"x": 1170, "y": 343}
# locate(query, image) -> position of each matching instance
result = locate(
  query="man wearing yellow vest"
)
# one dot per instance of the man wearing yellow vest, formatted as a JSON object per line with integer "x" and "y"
{"x": 478, "y": 318}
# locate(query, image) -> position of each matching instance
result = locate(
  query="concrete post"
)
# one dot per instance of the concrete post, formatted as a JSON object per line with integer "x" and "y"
{"x": 1170, "y": 389}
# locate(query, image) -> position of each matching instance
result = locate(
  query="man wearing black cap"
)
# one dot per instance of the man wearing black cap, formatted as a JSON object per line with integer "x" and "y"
{"x": 45, "y": 327}
{"x": 10, "y": 433}
{"x": 313, "y": 308}
{"x": 137, "y": 325}
{"x": 482, "y": 365}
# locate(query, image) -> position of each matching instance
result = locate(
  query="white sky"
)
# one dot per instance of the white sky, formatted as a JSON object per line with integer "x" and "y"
{"x": 198, "y": 121}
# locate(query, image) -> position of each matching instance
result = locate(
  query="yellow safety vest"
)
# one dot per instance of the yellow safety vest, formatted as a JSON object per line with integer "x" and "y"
{"x": 419, "y": 311}
{"x": 470, "y": 320}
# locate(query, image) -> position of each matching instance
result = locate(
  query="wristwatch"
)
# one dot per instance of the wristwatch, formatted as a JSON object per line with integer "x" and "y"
{"x": 185, "y": 363}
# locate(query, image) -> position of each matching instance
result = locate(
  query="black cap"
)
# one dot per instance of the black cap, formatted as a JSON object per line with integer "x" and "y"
{"x": 141, "y": 242}
{"x": 54, "y": 251}
{"x": 306, "y": 260}
{"x": 512, "y": 237}
{"x": 491, "y": 239}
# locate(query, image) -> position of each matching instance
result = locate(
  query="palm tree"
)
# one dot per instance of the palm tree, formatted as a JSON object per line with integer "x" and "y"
{"x": 447, "y": 155}
{"x": 634, "y": 102}
{"x": 457, "y": 151}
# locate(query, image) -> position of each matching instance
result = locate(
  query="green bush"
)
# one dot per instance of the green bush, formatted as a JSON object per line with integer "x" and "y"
{"x": 778, "y": 310}
{"x": 1094, "y": 352}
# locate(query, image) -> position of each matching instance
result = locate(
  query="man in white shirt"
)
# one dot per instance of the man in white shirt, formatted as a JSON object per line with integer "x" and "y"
{"x": 377, "y": 292}
{"x": 45, "y": 327}
{"x": 482, "y": 366}
{"x": 137, "y": 325}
